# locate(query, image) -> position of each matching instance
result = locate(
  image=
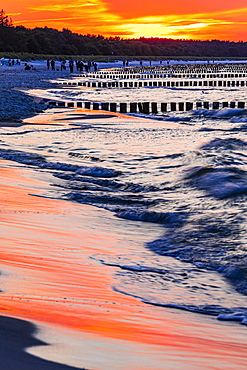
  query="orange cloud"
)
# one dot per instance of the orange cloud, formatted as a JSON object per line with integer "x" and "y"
{"x": 187, "y": 19}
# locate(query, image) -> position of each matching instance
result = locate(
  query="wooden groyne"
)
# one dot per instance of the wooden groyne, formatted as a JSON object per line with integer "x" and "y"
{"x": 156, "y": 83}
{"x": 225, "y": 76}
{"x": 148, "y": 107}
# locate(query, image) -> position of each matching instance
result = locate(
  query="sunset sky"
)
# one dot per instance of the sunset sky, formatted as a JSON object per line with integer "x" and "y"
{"x": 183, "y": 19}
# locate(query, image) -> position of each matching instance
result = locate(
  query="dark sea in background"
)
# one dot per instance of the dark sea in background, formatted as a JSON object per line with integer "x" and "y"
{"x": 185, "y": 171}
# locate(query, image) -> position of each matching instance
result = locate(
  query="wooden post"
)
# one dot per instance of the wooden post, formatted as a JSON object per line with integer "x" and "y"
{"x": 189, "y": 106}
{"x": 181, "y": 106}
{"x": 123, "y": 107}
{"x": 145, "y": 107}
{"x": 113, "y": 107}
{"x": 133, "y": 107}
{"x": 216, "y": 105}
{"x": 95, "y": 106}
{"x": 173, "y": 106}
{"x": 105, "y": 106}
{"x": 241, "y": 105}
{"x": 61, "y": 104}
{"x": 153, "y": 107}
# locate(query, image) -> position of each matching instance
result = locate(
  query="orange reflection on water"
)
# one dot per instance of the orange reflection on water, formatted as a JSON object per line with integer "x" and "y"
{"x": 75, "y": 116}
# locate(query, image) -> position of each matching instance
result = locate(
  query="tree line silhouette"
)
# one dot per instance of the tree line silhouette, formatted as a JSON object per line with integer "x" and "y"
{"x": 46, "y": 40}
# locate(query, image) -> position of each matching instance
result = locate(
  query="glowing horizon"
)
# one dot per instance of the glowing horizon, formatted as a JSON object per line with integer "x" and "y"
{"x": 207, "y": 20}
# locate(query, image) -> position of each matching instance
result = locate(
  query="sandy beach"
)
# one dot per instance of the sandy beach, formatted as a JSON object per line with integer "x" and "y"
{"x": 58, "y": 308}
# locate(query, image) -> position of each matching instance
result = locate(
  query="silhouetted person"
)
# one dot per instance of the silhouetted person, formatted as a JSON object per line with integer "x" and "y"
{"x": 95, "y": 67}
{"x": 62, "y": 65}
{"x": 48, "y": 64}
{"x": 53, "y": 65}
{"x": 81, "y": 66}
{"x": 71, "y": 66}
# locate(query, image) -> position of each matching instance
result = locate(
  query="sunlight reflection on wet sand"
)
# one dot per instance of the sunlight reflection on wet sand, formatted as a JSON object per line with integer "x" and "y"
{"x": 47, "y": 276}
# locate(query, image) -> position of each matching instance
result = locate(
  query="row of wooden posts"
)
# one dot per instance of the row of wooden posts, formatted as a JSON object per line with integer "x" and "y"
{"x": 219, "y": 68}
{"x": 133, "y": 84}
{"x": 147, "y": 107}
{"x": 162, "y": 76}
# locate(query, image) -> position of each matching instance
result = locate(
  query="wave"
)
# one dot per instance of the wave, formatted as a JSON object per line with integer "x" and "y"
{"x": 220, "y": 183}
{"x": 172, "y": 219}
{"x": 76, "y": 181}
{"x": 226, "y": 144}
{"x": 179, "y": 286}
{"x": 224, "y": 113}
{"x": 40, "y": 161}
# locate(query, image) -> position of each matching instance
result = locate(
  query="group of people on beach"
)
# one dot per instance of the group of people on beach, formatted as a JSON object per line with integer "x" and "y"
{"x": 78, "y": 64}
{"x": 9, "y": 62}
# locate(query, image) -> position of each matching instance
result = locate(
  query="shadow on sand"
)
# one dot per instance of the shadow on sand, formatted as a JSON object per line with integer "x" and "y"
{"x": 17, "y": 335}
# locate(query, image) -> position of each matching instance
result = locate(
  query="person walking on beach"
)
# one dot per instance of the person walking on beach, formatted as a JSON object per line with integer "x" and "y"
{"x": 71, "y": 66}
{"x": 53, "y": 65}
{"x": 81, "y": 66}
{"x": 48, "y": 64}
{"x": 62, "y": 65}
{"x": 95, "y": 66}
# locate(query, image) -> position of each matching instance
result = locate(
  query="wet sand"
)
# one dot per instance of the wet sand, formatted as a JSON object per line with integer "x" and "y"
{"x": 48, "y": 277}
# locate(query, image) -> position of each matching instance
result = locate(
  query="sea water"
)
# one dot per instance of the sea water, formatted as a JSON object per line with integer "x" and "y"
{"x": 185, "y": 171}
